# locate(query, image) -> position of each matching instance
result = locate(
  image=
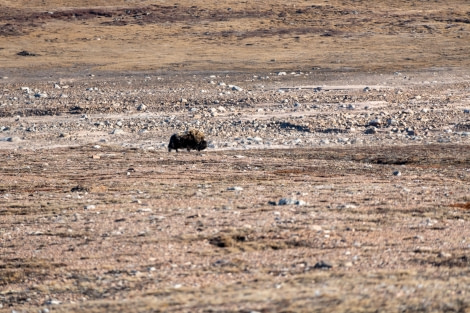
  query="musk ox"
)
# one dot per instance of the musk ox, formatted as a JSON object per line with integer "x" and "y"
{"x": 192, "y": 139}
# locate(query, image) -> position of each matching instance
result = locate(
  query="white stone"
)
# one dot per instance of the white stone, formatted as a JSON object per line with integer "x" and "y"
{"x": 142, "y": 107}
{"x": 52, "y": 302}
{"x": 375, "y": 122}
{"x": 236, "y": 88}
{"x": 258, "y": 139}
{"x": 117, "y": 131}
{"x": 235, "y": 188}
{"x": 346, "y": 206}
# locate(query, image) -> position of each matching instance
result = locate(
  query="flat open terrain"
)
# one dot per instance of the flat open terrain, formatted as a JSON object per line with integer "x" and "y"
{"x": 337, "y": 176}
{"x": 235, "y": 35}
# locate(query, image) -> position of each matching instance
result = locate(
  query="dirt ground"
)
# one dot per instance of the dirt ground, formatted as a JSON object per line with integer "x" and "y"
{"x": 337, "y": 176}
{"x": 235, "y": 35}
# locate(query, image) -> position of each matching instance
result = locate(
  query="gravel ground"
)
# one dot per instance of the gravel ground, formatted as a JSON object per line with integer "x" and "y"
{"x": 239, "y": 111}
{"x": 313, "y": 193}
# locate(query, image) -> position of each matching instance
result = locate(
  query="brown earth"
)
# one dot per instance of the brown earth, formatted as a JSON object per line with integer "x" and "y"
{"x": 236, "y": 35}
{"x": 340, "y": 185}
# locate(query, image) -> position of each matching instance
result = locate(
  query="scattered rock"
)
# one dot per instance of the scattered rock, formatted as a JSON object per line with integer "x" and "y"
{"x": 25, "y": 53}
{"x": 235, "y": 188}
{"x": 323, "y": 265}
{"x": 392, "y": 122}
{"x": 289, "y": 201}
{"x": 258, "y": 140}
{"x": 236, "y": 88}
{"x": 52, "y": 302}
{"x": 347, "y": 206}
{"x": 117, "y": 131}
{"x": 375, "y": 122}
{"x": 41, "y": 95}
{"x": 79, "y": 188}
{"x": 286, "y": 201}
{"x": 443, "y": 254}
{"x": 12, "y": 139}
{"x": 423, "y": 250}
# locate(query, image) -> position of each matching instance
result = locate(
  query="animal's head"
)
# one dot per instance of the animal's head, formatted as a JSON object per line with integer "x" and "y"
{"x": 202, "y": 145}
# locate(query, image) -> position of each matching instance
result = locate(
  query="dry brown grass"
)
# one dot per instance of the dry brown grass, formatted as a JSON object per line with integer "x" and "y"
{"x": 233, "y": 35}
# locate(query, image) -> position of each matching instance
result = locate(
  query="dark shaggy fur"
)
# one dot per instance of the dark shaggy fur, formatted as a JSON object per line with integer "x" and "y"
{"x": 192, "y": 139}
